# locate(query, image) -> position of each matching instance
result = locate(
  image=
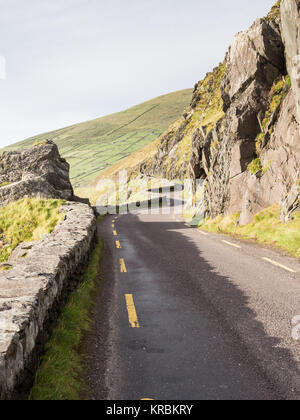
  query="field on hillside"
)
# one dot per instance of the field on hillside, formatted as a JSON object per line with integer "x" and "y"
{"x": 93, "y": 146}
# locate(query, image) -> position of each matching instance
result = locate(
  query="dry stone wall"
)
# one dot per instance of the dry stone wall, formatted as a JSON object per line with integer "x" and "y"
{"x": 33, "y": 288}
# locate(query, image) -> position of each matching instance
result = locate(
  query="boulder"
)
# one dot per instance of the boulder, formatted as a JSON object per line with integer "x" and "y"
{"x": 37, "y": 172}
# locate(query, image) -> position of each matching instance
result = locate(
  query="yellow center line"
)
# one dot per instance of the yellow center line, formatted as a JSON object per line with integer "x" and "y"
{"x": 202, "y": 232}
{"x": 277, "y": 264}
{"x": 132, "y": 316}
{"x": 123, "y": 266}
{"x": 115, "y": 233}
{"x": 118, "y": 245}
{"x": 231, "y": 244}
{"x": 113, "y": 226}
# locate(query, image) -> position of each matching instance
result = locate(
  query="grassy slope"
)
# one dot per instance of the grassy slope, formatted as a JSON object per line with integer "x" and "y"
{"x": 58, "y": 377}
{"x": 26, "y": 220}
{"x": 94, "y": 146}
{"x": 129, "y": 164}
{"x": 266, "y": 228}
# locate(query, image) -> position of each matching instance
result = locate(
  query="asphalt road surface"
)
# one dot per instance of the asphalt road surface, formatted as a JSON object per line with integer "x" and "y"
{"x": 181, "y": 314}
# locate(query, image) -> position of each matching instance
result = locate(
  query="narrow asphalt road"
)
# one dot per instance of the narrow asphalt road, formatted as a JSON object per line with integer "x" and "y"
{"x": 181, "y": 314}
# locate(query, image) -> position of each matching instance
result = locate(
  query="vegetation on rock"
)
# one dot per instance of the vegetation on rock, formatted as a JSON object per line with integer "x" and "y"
{"x": 278, "y": 93}
{"x": 205, "y": 111}
{"x": 274, "y": 12}
{"x": 255, "y": 166}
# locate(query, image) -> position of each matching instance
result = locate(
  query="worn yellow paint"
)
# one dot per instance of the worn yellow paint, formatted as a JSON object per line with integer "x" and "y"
{"x": 118, "y": 245}
{"x": 115, "y": 233}
{"x": 277, "y": 264}
{"x": 123, "y": 266}
{"x": 231, "y": 244}
{"x": 202, "y": 232}
{"x": 113, "y": 226}
{"x": 132, "y": 315}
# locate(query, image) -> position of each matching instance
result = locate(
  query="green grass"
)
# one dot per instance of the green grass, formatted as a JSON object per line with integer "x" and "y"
{"x": 266, "y": 228}
{"x": 26, "y": 220}
{"x": 59, "y": 374}
{"x": 93, "y": 146}
{"x": 255, "y": 166}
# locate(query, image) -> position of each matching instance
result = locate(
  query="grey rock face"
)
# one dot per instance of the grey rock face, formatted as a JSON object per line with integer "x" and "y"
{"x": 280, "y": 157}
{"x": 256, "y": 56}
{"x": 36, "y": 172}
{"x": 33, "y": 290}
{"x": 290, "y": 13}
{"x": 255, "y": 63}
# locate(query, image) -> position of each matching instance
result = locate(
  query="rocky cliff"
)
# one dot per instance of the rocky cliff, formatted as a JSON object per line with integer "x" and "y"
{"x": 290, "y": 12}
{"x": 36, "y": 172}
{"x": 240, "y": 134}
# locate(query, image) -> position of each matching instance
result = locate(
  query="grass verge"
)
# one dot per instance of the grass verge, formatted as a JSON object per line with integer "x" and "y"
{"x": 266, "y": 228}
{"x": 59, "y": 375}
{"x": 25, "y": 221}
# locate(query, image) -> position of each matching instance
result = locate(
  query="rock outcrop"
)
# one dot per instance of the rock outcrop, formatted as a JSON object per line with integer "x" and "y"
{"x": 240, "y": 134}
{"x": 290, "y": 12}
{"x": 38, "y": 280}
{"x": 36, "y": 172}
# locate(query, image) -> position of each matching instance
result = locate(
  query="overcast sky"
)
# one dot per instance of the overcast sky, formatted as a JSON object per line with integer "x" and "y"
{"x": 69, "y": 61}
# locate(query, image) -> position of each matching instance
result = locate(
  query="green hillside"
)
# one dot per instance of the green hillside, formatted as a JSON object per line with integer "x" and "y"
{"x": 94, "y": 146}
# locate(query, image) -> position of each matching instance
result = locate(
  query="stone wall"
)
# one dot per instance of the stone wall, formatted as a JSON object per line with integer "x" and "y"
{"x": 33, "y": 289}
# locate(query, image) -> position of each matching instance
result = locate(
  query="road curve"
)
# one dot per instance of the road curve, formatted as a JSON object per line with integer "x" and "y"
{"x": 184, "y": 315}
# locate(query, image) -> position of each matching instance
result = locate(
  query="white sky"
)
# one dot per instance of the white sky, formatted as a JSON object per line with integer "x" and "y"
{"x": 69, "y": 61}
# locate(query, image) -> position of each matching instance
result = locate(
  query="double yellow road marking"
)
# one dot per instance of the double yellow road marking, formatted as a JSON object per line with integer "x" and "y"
{"x": 132, "y": 315}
